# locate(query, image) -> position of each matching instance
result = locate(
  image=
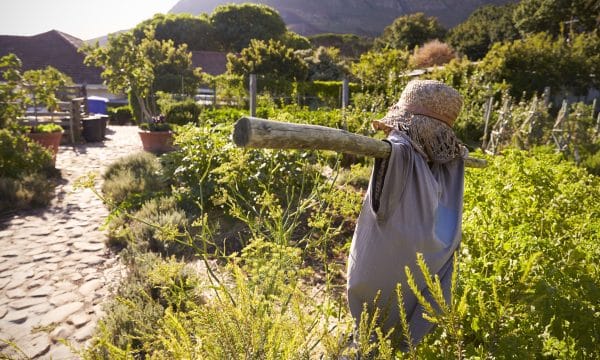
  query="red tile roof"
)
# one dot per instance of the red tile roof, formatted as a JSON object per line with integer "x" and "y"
{"x": 52, "y": 48}
{"x": 211, "y": 62}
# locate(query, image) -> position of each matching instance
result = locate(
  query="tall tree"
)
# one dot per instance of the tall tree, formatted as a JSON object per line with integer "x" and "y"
{"x": 43, "y": 85}
{"x": 141, "y": 68}
{"x": 408, "y": 31}
{"x": 486, "y": 25}
{"x": 557, "y": 16}
{"x": 235, "y": 25}
{"x": 277, "y": 64}
{"x": 530, "y": 64}
{"x": 194, "y": 31}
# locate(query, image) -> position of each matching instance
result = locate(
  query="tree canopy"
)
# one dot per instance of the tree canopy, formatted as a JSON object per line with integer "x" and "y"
{"x": 409, "y": 31}
{"x": 195, "y": 31}
{"x": 530, "y": 64}
{"x": 142, "y": 68}
{"x": 557, "y": 16}
{"x": 277, "y": 64}
{"x": 236, "y": 25}
{"x": 486, "y": 26}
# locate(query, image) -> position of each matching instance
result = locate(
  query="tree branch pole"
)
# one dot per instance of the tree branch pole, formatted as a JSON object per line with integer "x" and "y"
{"x": 255, "y": 132}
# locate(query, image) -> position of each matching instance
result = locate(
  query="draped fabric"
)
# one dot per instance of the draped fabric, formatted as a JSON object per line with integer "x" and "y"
{"x": 415, "y": 207}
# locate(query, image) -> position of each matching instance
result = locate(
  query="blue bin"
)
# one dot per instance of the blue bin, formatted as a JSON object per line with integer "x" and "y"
{"x": 97, "y": 105}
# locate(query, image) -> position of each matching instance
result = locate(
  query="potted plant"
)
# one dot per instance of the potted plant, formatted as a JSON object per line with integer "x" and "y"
{"x": 47, "y": 135}
{"x": 156, "y": 135}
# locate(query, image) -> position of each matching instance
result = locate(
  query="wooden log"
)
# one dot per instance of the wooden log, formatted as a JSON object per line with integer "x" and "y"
{"x": 262, "y": 133}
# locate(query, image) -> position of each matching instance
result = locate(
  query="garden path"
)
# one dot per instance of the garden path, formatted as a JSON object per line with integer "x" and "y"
{"x": 55, "y": 271}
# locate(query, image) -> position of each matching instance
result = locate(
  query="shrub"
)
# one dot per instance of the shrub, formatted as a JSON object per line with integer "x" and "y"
{"x": 33, "y": 190}
{"x": 132, "y": 179}
{"x": 182, "y": 112}
{"x": 432, "y": 53}
{"x": 160, "y": 226}
{"x": 20, "y": 156}
{"x": 120, "y": 115}
{"x": 153, "y": 288}
{"x": 47, "y": 128}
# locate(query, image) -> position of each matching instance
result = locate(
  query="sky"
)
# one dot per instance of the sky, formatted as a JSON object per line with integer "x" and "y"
{"x": 83, "y": 19}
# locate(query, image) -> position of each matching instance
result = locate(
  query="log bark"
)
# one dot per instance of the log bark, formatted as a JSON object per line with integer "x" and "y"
{"x": 255, "y": 132}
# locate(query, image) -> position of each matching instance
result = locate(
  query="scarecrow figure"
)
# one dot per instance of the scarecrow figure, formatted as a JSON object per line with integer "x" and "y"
{"x": 413, "y": 205}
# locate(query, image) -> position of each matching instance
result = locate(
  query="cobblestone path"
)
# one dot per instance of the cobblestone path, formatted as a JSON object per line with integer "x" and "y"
{"x": 55, "y": 271}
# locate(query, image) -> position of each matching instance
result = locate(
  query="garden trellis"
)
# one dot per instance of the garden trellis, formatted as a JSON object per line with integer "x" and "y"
{"x": 255, "y": 132}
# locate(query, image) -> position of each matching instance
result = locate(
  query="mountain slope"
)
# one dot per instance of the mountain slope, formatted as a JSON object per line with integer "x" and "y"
{"x": 361, "y": 17}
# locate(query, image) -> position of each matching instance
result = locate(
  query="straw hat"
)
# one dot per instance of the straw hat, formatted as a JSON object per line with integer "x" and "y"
{"x": 426, "y": 112}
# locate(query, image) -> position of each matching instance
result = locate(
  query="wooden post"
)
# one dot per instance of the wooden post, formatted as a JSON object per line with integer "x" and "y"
{"x": 75, "y": 124}
{"x": 345, "y": 93}
{"x": 252, "y": 94}
{"x": 214, "y": 94}
{"x": 486, "y": 116}
{"x": 262, "y": 133}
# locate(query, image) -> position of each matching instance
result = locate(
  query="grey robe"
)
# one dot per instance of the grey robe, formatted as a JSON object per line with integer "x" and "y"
{"x": 419, "y": 211}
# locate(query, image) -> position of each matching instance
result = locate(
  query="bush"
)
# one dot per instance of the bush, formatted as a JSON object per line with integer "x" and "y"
{"x": 153, "y": 288}
{"x": 20, "y": 156}
{"x": 120, "y": 115}
{"x": 160, "y": 226}
{"x": 182, "y": 112}
{"x": 432, "y": 53}
{"x": 132, "y": 179}
{"x": 47, "y": 128}
{"x": 26, "y": 172}
{"x": 33, "y": 190}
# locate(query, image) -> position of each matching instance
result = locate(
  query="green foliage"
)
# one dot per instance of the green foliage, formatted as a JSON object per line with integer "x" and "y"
{"x": 350, "y": 45}
{"x": 194, "y": 31}
{"x": 327, "y": 93}
{"x": 154, "y": 288}
{"x": 534, "y": 16}
{"x": 32, "y": 190}
{"x": 380, "y": 74}
{"x": 324, "y": 64}
{"x": 12, "y": 96}
{"x": 139, "y": 68}
{"x": 25, "y": 176}
{"x": 409, "y": 31}
{"x": 120, "y": 115}
{"x": 531, "y": 64}
{"x": 47, "y": 128}
{"x": 530, "y": 241}
{"x": 132, "y": 179}
{"x": 182, "y": 112}
{"x": 295, "y": 41}
{"x": 43, "y": 84}
{"x": 160, "y": 226}
{"x": 236, "y": 25}
{"x": 20, "y": 156}
{"x": 485, "y": 26}
{"x": 277, "y": 65}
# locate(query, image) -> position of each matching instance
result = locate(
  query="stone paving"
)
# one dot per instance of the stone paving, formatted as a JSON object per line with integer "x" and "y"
{"x": 55, "y": 271}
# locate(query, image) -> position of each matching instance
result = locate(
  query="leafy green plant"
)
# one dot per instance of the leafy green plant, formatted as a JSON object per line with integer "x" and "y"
{"x": 160, "y": 226}
{"x": 47, "y": 128}
{"x": 132, "y": 179}
{"x": 182, "y": 112}
{"x": 120, "y": 115}
{"x": 20, "y": 156}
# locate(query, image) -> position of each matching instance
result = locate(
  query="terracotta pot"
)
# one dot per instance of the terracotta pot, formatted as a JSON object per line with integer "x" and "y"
{"x": 50, "y": 141}
{"x": 157, "y": 142}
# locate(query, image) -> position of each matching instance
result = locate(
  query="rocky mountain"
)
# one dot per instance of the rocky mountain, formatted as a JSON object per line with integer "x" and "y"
{"x": 361, "y": 17}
